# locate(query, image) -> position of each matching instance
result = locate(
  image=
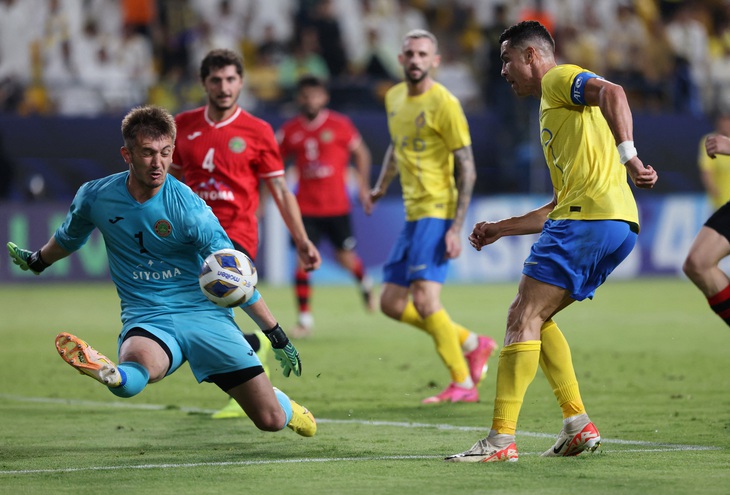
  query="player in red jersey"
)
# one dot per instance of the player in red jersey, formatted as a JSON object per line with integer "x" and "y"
{"x": 321, "y": 142}
{"x": 223, "y": 153}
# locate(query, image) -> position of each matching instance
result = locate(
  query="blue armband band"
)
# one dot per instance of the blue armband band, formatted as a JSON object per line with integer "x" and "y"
{"x": 577, "y": 90}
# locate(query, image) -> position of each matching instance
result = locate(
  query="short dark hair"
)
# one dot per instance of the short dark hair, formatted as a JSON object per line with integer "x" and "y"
{"x": 149, "y": 121}
{"x": 310, "y": 81}
{"x": 219, "y": 58}
{"x": 525, "y": 31}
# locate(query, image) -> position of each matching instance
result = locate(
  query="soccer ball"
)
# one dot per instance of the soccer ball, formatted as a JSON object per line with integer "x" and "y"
{"x": 228, "y": 278}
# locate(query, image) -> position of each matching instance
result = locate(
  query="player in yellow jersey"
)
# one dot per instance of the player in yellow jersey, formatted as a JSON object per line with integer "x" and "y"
{"x": 715, "y": 170}
{"x": 588, "y": 228}
{"x": 712, "y": 244}
{"x": 429, "y": 137}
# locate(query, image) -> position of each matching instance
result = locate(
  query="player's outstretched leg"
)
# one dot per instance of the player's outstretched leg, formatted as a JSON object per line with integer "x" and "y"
{"x": 579, "y": 434}
{"x": 477, "y": 359}
{"x": 299, "y": 419}
{"x": 87, "y": 360}
{"x": 302, "y": 421}
{"x": 495, "y": 448}
{"x": 233, "y": 409}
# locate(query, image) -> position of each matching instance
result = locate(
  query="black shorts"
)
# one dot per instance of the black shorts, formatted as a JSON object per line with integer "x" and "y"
{"x": 238, "y": 247}
{"x": 337, "y": 230}
{"x": 720, "y": 221}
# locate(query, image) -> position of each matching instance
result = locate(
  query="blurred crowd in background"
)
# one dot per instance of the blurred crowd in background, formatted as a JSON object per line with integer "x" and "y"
{"x": 94, "y": 57}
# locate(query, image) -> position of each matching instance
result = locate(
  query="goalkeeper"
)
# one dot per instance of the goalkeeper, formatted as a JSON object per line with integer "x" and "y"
{"x": 157, "y": 233}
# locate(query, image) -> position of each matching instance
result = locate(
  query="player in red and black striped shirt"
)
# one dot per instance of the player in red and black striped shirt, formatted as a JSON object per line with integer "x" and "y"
{"x": 321, "y": 142}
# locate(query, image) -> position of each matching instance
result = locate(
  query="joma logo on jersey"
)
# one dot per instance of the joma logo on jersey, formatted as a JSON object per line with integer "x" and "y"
{"x": 415, "y": 144}
{"x": 163, "y": 275}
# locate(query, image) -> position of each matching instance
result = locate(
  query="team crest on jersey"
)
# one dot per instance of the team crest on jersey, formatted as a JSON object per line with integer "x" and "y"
{"x": 420, "y": 120}
{"x": 326, "y": 136}
{"x": 163, "y": 228}
{"x": 237, "y": 144}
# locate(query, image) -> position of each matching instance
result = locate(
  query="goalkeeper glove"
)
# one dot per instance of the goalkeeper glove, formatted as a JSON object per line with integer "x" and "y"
{"x": 27, "y": 260}
{"x": 284, "y": 351}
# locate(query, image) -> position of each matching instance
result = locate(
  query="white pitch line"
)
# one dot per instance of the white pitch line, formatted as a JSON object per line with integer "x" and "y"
{"x": 305, "y": 460}
{"x": 659, "y": 446}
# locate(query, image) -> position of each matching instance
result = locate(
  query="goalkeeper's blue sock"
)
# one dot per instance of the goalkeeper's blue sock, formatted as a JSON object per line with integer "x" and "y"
{"x": 285, "y": 405}
{"x": 134, "y": 379}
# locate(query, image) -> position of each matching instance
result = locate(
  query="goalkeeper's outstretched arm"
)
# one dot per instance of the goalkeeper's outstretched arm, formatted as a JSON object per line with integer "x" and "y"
{"x": 37, "y": 261}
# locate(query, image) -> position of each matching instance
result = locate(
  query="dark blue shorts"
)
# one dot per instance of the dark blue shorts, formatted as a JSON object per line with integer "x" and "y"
{"x": 578, "y": 255}
{"x": 418, "y": 254}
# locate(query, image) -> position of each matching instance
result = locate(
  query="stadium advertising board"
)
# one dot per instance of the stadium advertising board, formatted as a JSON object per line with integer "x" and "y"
{"x": 669, "y": 224}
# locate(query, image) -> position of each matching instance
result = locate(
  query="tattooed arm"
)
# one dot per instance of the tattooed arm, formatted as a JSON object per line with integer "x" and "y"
{"x": 466, "y": 177}
{"x": 388, "y": 171}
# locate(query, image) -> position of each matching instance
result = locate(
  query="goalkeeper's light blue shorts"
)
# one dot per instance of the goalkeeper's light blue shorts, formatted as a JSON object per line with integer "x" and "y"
{"x": 578, "y": 255}
{"x": 419, "y": 253}
{"x": 209, "y": 340}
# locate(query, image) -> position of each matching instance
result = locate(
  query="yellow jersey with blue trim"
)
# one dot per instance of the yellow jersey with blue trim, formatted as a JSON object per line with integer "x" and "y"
{"x": 425, "y": 130}
{"x": 589, "y": 180}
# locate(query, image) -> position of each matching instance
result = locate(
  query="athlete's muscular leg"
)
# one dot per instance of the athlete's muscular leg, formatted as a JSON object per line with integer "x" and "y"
{"x": 426, "y": 297}
{"x": 535, "y": 303}
{"x": 347, "y": 259}
{"x": 256, "y": 397}
{"x": 393, "y": 300}
{"x": 708, "y": 248}
{"x": 147, "y": 353}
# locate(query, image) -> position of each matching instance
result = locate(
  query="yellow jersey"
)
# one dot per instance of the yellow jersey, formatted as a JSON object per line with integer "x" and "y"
{"x": 589, "y": 180}
{"x": 424, "y": 131}
{"x": 719, "y": 170}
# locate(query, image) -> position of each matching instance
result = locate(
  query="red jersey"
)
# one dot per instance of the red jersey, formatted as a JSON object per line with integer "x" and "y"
{"x": 321, "y": 151}
{"x": 223, "y": 163}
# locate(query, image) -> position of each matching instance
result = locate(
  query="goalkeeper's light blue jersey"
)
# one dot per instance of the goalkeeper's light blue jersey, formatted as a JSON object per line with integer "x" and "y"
{"x": 155, "y": 248}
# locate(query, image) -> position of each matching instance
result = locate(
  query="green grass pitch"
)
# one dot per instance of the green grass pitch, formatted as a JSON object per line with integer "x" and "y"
{"x": 651, "y": 358}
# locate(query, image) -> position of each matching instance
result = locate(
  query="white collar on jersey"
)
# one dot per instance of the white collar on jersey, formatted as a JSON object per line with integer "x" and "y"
{"x": 224, "y": 122}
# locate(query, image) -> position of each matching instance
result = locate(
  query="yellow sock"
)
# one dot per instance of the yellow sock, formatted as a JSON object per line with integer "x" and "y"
{"x": 411, "y": 317}
{"x": 461, "y": 332}
{"x": 516, "y": 369}
{"x": 557, "y": 364}
{"x": 441, "y": 329}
